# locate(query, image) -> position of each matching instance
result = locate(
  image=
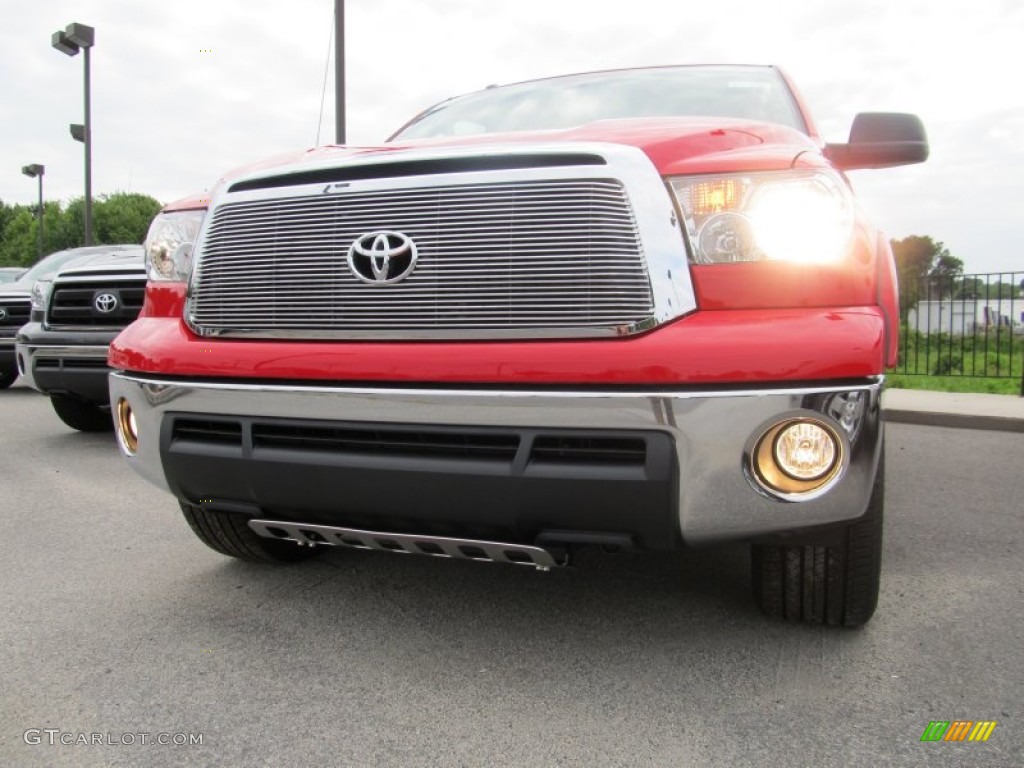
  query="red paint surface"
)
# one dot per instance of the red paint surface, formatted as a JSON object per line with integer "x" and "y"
{"x": 707, "y": 347}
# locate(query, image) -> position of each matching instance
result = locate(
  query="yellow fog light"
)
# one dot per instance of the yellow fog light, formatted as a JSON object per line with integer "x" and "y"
{"x": 127, "y": 428}
{"x": 805, "y": 451}
{"x": 797, "y": 458}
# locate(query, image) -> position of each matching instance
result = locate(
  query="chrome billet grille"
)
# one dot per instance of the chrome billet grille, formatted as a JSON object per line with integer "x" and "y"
{"x": 556, "y": 256}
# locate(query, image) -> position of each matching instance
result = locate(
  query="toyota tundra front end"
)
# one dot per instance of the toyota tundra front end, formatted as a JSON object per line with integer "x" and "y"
{"x": 637, "y": 309}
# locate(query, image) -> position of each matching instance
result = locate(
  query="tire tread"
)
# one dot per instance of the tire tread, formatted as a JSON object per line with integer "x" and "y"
{"x": 835, "y": 582}
{"x": 80, "y": 415}
{"x": 229, "y": 533}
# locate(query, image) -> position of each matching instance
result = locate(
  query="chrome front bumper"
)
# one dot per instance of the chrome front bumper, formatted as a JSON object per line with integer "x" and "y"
{"x": 713, "y": 433}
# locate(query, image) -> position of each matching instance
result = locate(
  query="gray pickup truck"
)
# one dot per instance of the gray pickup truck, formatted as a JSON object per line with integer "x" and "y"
{"x": 62, "y": 349}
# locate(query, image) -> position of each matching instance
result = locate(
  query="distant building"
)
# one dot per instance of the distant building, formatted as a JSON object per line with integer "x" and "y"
{"x": 963, "y": 317}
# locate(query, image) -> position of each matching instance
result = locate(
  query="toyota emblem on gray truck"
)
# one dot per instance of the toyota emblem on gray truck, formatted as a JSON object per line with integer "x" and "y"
{"x": 105, "y": 303}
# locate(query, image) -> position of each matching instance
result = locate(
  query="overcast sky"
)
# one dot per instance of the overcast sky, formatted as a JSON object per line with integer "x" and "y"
{"x": 184, "y": 90}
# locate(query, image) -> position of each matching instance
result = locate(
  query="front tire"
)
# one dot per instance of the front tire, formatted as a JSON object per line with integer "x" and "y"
{"x": 8, "y": 374}
{"x": 229, "y": 533}
{"x": 835, "y": 582}
{"x": 80, "y": 415}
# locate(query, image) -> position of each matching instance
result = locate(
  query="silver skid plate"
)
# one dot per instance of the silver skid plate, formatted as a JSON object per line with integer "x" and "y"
{"x": 437, "y": 546}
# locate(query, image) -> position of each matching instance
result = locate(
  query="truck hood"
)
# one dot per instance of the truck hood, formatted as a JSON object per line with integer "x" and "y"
{"x": 114, "y": 258}
{"x": 98, "y": 256}
{"x": 684, "y": 145}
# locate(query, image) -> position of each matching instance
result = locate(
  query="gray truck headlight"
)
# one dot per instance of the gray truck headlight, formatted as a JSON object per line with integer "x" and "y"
{"x": 40, "y": 295}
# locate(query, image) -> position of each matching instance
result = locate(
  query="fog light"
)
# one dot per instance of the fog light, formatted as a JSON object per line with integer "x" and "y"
{"x": 798, "y": 459}
{"x": 805, "y": 451}
{"x": 127, "y": 428}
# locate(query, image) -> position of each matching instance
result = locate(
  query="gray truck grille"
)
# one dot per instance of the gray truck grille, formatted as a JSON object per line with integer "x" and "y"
{"x": 556, "y": 257}
{"x": 15, "y": 311}
{"x": 81, "y": 304}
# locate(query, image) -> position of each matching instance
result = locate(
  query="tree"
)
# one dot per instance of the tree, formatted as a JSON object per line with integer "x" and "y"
{"x": 925, "y": 265}
{"x": 946, "y": 266}
{"x": 978, "y": 289}
{"x": 122, "y": 217}
{"x": 20, "y": 244}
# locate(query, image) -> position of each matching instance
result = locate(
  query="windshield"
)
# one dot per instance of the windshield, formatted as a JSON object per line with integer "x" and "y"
{"x": 10, "y": 275}
{"x": 752, "y": 93}
{"x": 48, "y": 267}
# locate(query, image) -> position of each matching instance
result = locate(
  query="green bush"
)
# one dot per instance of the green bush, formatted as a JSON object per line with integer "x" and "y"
{"x": 995, "y": 352}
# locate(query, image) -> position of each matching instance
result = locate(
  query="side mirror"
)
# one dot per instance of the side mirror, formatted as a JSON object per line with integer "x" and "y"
{"x": 881, "y": 140}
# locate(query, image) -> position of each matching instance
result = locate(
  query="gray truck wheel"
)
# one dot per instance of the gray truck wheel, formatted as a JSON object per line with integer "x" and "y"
{"x": 7, "y": 375}
{"x": 80, "y": 415}
{"x": 834, "y": 583}
{"x": 230, "y": 534}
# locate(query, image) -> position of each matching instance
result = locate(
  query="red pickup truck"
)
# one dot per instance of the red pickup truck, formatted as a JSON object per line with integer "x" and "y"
{"x": 633, "y": 309}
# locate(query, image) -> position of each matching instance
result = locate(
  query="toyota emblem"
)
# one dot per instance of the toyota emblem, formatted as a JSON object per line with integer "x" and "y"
{"x": 382, "y": 257}
{"x": 105, "y": 303}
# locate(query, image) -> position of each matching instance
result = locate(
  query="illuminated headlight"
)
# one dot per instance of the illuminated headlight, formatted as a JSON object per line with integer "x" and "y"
{"x": 169, "y": 244}
{"x": 798, "y": 459}
{"x": 801, "y": 216}
{"x": 40, "y": 295}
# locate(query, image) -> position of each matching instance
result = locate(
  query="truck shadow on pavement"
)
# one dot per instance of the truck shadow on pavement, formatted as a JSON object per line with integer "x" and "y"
{"x": 379, "y": 597}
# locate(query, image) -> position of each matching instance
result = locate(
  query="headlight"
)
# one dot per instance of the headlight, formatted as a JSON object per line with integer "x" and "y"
{"x": 799, "y": 216}
{"x": 169, "y": 244}
{"x": 40, "y": 295}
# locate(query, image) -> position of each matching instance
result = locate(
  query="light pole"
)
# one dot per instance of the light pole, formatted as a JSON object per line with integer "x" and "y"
{"x": 339, "y": 71}
{"x": 74, "y": 38}
{"x": 36, "y": 171}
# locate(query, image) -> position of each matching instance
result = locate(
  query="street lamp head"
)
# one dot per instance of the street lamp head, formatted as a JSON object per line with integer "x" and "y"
{"x": 64, "y": 44}
{"x": 33, "y": 170}
{"x": 77, "y": 132}
{"x": 81, "y": 35}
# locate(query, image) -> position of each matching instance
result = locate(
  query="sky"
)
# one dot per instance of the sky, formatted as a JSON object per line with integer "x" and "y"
{"x": 183, "y": 91}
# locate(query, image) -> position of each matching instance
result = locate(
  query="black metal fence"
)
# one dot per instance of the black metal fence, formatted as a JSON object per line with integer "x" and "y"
{"x": 963, "y": 325}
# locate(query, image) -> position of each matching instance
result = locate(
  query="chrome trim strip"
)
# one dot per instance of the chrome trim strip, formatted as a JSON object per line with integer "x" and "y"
{"x": 135, "y": 276}
{"x": 157, "y": 383}
{"x": 497, "y": 334}
{"x": 63, "y": 350}
{"x": 408, "y": 544}
{"x": 111, "y": 330}
{"x": 711, "y": 431}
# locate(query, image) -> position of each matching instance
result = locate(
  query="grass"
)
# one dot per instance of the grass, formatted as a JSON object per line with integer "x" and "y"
{"x": 954, "y": 384}
{"x": 990, "y": 362}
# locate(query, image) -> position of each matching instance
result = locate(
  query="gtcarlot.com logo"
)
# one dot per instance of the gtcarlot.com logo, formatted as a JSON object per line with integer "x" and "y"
{"x": 958, "y": 730}
{"x": 55, "y": 736}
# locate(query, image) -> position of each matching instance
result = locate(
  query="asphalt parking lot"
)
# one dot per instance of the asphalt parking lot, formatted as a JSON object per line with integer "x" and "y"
{"x": 116, "y": 621}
